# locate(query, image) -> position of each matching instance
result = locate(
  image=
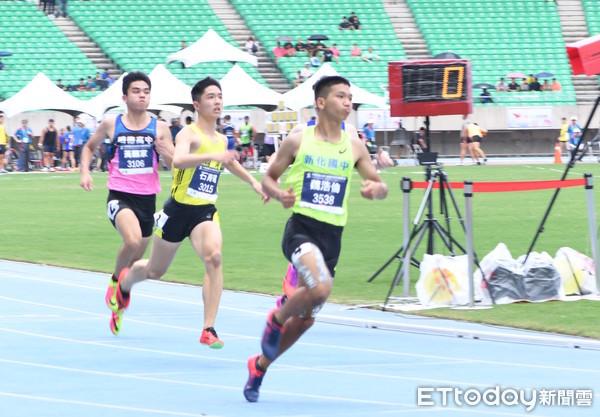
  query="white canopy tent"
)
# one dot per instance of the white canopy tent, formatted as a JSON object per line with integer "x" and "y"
{"x": 42, "y": 94}
{"x": 240, "y": 89}
{"x": 303, "y": 95}
{"x": 168, "y": 89}
{"x": 210, "y": 48}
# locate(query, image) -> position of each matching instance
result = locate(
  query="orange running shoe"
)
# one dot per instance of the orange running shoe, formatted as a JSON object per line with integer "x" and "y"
{"x": 209, "y": 337}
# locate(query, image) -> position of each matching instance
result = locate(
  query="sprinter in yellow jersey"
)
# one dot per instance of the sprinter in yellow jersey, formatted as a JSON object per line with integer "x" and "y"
{"x": 190, "y": 211}
{"x": 323, "y": 157}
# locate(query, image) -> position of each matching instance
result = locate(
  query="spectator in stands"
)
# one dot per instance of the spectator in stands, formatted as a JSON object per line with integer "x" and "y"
{"x": 328, "y": 55}
{"x": 252, "y": 46}
{"x": 546, "y": 86}
{"x": 81, "y": 86}
{"x": 106, "y": 76}
{"x": 91, "y": 85}
{"x": 289, "y": 49}
{"x": 530, "y": 79}
{"x": 501, "y": 86}
{"x": 320, "y": 47}
{"x": 1, "y": 66}
{"x": 306, "y": 72}
{"x": 355, "y": 51}
{"x": 100, "y": 82}
{"x": 335, "y": 50}
{"x": 62, "y": 8}
{"x": 312, "y": 49}
{"x": 485, "y": 96}
{"x": 60, "y": 85}
{"x": 344, "y": 24}
{"x": 279, "y": 52}
{"x": 535, "y": 85}
{"x": 513, "y": 85}
{"x": 183, "y": 45}
{"x": 300, "y": 46}
{"x": 370, "y": 56}
{"x": 354, "y": 21}
{"x": 524, "y": 86}
{"x": 555, "y": 86}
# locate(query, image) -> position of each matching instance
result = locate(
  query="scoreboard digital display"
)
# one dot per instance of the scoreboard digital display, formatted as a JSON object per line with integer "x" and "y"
{"x": 430, "y": 87}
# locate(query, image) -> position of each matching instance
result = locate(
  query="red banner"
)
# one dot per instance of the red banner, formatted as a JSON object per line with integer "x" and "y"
{"x": 497, "y": 187}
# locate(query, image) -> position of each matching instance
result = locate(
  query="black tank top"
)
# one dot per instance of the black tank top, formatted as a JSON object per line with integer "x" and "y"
{"x": 50, "y": 138}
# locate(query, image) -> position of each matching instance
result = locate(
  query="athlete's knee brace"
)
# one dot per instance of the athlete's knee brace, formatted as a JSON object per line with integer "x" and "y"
{"x": 303, "y": 271}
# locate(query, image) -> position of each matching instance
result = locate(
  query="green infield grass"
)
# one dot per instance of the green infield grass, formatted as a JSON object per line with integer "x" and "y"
{"x": 48, "y": 219}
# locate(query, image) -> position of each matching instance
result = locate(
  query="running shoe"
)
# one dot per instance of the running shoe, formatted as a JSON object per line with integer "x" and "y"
{"x": 255, "y": 378}
{"x": 121, "y": 303}
{"x": 271, "y": 337}
{"x": 111, "y": 300}
{"x": 209, "y": 337}
{"x": 115, "y": 322}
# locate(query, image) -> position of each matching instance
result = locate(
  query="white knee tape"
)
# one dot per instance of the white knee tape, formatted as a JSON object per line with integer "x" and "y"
{"x": 303, "y": 271}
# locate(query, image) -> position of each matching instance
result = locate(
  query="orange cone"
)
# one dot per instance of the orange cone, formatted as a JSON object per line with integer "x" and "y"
{"x": 557, "y": 154}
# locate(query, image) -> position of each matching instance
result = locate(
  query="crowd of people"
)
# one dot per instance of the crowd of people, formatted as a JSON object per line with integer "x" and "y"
{"x": 530, "y": 83}
{"x": 100, "y": 82}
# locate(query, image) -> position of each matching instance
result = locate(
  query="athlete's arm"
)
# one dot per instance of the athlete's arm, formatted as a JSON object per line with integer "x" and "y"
{"x": 164, "y": 143}
{"x": 41, "y": 141}
{"x": 107, "y": 125}
{"x": 285, "y": 156}
{"x": 372, "y": 186}
{"x": 187, "y": 142}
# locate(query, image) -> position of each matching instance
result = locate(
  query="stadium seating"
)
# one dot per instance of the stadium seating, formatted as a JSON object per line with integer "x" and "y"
{"x": 139, "y": 34}
{"x": 592, "y": 16}
{"x": 36, "y": 45}
{"x": 269, "y": 19}
{"x": 500, "y": 37}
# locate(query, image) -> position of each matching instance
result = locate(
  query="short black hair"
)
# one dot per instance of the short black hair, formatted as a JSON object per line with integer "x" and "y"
{"x": 201, "y": 85}
{"x": 324, "y": 84}
{"x": 135, "y": 76}
{"x": 227, "y": 117}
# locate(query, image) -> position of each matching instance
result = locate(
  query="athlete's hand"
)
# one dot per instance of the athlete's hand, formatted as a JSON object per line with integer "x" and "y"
{"x": 86, "y": 182}
{"x": 287, "y": 198}
{"x": 227, "y": 157}
{"x": 370, "y": 189}
{"x": 257, "y": 186}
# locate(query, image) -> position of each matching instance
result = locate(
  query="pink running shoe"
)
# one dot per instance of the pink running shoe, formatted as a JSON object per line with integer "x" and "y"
{"x": 290, "y": 281}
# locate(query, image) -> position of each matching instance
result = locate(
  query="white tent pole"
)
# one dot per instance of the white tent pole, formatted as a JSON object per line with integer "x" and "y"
{"x": 468, "y": 191}
{"x": 589, "y": 190}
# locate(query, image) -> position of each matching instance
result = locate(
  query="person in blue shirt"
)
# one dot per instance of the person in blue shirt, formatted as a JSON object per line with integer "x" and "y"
{"x": 229, "y": 131}
{"x": 82, "y": 134}
{"x": 574, "y": 132}
{"x": 24, "y": 136}
{"x": 369, "y": 132}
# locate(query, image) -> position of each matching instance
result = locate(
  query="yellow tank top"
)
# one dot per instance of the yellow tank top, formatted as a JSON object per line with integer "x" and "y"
{"x": 474, "y": 130}
{"x": 3, "y": 137}
{"x": 198, "y": 186}
{"x": 320, "y": 176}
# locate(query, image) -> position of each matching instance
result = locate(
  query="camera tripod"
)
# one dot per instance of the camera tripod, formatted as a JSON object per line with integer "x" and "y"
{"x": 428, "y": 225}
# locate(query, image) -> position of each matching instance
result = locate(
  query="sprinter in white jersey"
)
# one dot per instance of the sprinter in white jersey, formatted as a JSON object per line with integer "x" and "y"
{"x": 137, "y": 140}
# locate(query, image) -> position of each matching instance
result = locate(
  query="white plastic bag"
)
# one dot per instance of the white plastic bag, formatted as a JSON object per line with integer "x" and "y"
{"x": 577, "y": 271}
{"x": 443, "y": 280}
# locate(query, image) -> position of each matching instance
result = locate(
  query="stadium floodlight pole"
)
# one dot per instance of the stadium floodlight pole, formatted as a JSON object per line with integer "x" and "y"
{"x": 570, "y": 164}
